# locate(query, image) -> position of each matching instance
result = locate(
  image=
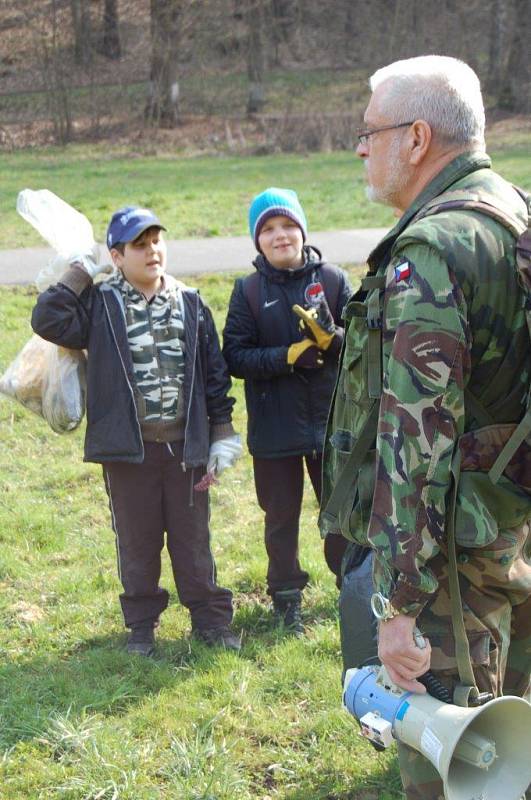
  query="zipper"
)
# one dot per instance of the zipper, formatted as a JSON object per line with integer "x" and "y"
{"x": 196, "y": 336}
{"x": 157, "y": 359}
{"x": 124, "y": 369}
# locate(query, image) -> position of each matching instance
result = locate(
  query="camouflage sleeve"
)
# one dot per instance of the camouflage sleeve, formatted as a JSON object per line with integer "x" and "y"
{"x": 425, "y": 365}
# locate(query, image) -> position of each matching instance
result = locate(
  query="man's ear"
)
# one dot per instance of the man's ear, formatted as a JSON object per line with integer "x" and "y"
{"x": 420, "y": 137}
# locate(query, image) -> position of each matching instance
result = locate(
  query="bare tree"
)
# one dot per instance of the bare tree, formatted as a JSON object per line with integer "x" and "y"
{"x": 285, "y": 25}
{"x": 163, "y": 103}
{"x": 499, "y": 37}
{"x": 254, "y": 16}
{"x": 514, "y": 93}
{"x": 57, "y": 84}
{"x": 111, "y": 46}
{"x": 82, "y": 26}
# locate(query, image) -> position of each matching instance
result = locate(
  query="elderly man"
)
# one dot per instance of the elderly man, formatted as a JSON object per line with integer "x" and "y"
{"x": 434, "y": 377}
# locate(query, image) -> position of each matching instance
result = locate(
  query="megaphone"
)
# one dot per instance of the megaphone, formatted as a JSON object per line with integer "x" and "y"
{"x": 480, "y": 753}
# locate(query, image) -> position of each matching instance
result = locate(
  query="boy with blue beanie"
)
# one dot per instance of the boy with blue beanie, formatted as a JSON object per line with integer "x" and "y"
{"x": 282, "y": 335}
{"x": 158, "y": 420}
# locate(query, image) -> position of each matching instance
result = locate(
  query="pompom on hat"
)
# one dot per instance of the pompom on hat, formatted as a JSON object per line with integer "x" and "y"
{"x": 275, "y": 202}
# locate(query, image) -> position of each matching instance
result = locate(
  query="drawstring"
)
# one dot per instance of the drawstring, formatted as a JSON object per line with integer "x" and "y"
{"x": 191, "y": 500}
{"x": 168, "y": 445}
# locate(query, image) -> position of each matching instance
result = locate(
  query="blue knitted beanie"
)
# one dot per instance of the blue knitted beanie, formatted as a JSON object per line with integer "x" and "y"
{"x": 275, "y": 202}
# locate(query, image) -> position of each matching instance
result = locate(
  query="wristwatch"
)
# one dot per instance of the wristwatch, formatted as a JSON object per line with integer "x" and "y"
{"x": 382, "y": 608}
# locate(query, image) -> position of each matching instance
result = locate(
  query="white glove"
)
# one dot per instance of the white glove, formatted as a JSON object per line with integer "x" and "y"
{"x": 89, "y": 262}
{"x": 224, "y": 453}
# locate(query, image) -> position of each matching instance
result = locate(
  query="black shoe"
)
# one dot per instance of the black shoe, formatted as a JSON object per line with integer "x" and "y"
{"x": 287, "y": 610}
{"x": 141, "y": 640}
{"x": 218, "y": 637}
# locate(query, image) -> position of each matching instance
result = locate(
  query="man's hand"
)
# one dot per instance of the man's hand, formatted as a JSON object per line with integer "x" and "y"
{"x": 400, "y": 655}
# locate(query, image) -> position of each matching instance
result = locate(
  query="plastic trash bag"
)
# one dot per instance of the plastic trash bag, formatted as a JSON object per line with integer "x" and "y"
{"x": 50, "y": 381}
{"x": 66, "y": 230}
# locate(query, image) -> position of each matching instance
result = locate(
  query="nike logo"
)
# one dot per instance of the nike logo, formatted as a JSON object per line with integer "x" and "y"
{"x": 268, "y": 303}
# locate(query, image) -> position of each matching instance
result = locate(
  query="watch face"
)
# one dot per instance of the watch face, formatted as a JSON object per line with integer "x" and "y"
{"x": 380, "y": 606}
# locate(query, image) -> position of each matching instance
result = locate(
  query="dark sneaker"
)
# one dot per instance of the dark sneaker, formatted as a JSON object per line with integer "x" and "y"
{"x": 218, "y": 637}
{"x": 141, "y": 640}
{"x": 287, "y": 610}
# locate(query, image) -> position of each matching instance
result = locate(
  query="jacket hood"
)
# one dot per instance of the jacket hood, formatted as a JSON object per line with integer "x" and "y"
{"x": 312, "y": 260}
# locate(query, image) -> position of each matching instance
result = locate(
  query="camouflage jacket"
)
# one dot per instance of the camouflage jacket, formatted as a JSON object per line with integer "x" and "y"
{"x": 452, "y": 317}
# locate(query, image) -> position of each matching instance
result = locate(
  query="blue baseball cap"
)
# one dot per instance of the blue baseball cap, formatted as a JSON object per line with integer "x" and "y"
{"x": 128, "y": 223}
{"x": 275, "y": 202}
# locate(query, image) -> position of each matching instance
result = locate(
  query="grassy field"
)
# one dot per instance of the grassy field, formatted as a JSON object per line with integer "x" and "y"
{"x": 79, "y": 719}
{"x": 207, "y": 196}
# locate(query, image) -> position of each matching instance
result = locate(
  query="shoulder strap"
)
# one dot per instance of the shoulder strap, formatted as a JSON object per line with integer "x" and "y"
{"x": 474, "y": 201}
{"x": 251, "y": 291}
{"x": 331, "y": 285}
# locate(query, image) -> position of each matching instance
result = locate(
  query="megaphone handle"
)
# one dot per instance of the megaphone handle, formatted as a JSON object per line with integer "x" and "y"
{"x": 434, "y": 687}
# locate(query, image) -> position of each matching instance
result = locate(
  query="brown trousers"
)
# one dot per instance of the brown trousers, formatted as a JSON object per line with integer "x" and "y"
{"x": 147, "y": 501}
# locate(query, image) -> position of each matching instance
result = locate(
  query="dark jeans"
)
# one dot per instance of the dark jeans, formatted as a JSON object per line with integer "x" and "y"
{"x": 146, "y": 501}
{"x": 279, "y": 486}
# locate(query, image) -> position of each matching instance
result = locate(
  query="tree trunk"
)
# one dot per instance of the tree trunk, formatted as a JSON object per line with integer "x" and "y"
{"x": 285, "y": 18}
{"x": 111, "y": 47}
{"x": 498, "y": 45}
{"x": 515, "y": 86}
{"x": 254, "y": 14}
{"x": 82, "y": 26}
{"x": 163, "y": 103}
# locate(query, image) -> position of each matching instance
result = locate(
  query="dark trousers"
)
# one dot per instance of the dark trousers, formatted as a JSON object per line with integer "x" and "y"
{"x": 279, "y": 486}
{"x": 146, "y": 501}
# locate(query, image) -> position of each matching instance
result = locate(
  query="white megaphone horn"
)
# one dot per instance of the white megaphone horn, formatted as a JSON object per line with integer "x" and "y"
{"x": 480, "y": 753}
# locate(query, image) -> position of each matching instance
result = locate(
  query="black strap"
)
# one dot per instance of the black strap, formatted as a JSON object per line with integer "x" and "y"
{"x": 251, "y": 290}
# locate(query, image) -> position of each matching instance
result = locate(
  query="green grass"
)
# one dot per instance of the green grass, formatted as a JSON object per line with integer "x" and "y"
{"x": 81, "y": 720}
{"x": 204, "y": 196}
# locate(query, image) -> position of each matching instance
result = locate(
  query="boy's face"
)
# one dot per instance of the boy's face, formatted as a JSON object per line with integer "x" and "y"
{"x": 143, "y": 261}
{"x": 281, "y": 242}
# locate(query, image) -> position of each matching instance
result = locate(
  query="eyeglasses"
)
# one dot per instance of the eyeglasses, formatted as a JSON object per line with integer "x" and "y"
{"x": 363, "y": 136}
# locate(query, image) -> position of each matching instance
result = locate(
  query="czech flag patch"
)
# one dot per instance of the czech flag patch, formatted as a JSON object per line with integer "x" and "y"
{"x": 402, "y": 271}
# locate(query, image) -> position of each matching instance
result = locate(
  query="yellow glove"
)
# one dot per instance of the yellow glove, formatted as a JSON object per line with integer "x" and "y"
{"x": 317, "y": 323}
{"x": 304, "y": 354}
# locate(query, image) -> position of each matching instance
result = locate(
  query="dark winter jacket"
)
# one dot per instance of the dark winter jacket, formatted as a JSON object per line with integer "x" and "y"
{"x": 76, "y": 313}
{"x": 286, "y": 408}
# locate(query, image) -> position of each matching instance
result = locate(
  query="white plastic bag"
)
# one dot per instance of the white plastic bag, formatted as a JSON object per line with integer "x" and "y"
{"x": 66, "y": 230}
{"x": 50, "y": 381}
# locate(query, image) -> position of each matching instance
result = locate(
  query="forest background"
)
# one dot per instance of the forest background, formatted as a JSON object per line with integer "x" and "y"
{"x": 248, "y": 76}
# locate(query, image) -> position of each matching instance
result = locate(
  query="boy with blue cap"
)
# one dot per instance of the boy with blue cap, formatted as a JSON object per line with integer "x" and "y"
{"x": 158, "y": 419}
{"x": 282, "y": 335}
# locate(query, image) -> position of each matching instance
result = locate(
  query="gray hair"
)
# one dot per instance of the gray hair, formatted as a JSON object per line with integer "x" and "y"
{"x": 441, "y": 90}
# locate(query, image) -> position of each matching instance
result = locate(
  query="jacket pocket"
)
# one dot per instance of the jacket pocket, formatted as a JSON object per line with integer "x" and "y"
{"x": 354, "y": 371}
{"x": 483, "y": 509}
{"x": 355, "y": 513}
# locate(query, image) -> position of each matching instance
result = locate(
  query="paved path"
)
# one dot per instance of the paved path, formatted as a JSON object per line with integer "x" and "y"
{"x": 193, "y": 256}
